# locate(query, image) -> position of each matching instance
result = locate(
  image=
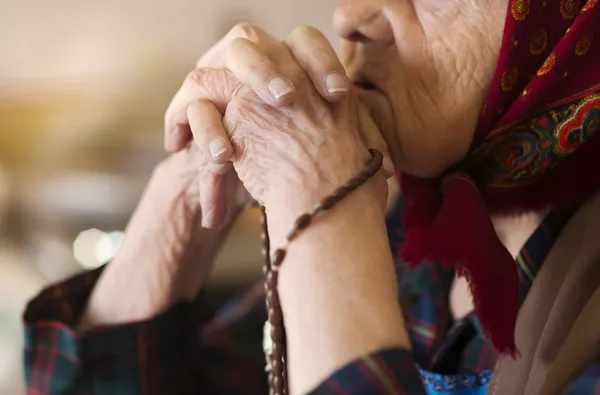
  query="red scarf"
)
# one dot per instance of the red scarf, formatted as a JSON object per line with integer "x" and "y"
{"x": 535, "y": 148}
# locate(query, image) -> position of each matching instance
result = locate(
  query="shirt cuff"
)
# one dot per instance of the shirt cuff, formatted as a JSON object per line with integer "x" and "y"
{"x": 390, "y": 371}
{"x": 142, "y": 357}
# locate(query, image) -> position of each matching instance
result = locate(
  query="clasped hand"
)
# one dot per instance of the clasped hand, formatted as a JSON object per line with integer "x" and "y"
{"x": 281, "y": 114}
{"x": 257, "y": 119}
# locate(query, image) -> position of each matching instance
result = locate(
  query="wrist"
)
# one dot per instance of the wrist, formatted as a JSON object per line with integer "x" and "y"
{"x": 158, "y": 265}
{"x": 289, "y": 202}
{"x": 173, "y": 246}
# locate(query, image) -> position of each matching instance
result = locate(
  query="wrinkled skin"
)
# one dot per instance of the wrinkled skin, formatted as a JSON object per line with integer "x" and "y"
{"x": 434, "y": 60}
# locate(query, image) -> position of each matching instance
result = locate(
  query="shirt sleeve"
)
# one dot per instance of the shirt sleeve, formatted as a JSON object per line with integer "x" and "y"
{"x": 390, "y": 371}
{"x": 182, "y": 351}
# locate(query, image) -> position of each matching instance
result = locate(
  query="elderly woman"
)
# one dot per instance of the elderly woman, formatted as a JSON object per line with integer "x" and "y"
{"x": 488, "y": 115}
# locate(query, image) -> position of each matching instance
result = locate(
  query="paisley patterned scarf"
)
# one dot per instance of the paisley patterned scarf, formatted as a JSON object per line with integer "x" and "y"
{"x": 536, "y": 147}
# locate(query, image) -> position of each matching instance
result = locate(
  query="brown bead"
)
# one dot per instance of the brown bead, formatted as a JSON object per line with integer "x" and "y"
{"x": 363, "y": 177}
{"x": 265, "y": 270}
{"x": 276, "y": 334}
{"x": 277, "y": 351}
{"x": 353, "y": 183}
{"x": 277, "y": 368}
{"x": 377, "y": 162}
{"x": 278, "y": 384}
{"x": 303, "y": 221}
{"x": 328, "y": 202}
{"x": 374, "y": 166}
{"x": 340, "y": 193}
{"x": 275, "y": 317}
{"x": 375, "y": 154}
{"x": 271, "y": 279}
{"x": 278, "y": 257}
{"x": 272, "y": 298}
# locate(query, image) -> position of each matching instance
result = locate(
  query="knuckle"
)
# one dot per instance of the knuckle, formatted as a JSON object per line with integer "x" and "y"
{"x": 305, "y": 33}
{"x": 242, "y": 56}
{"x": 236, "y": 45}
{"x": 197, "y": 76}
{"x": 245, "y": 30}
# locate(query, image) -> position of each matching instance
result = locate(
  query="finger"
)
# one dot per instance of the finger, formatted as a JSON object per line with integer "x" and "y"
{"x": 318, "y": 59}
{"x": 214, "y": 57}
{"x": 270, "y": 49}
{"x": 372, "y": 138}
{"x": 213, "y": 201}
{"x": 216, "y": 85}
{"x": 206, "y": 124}
{"x": 251, "y": 66}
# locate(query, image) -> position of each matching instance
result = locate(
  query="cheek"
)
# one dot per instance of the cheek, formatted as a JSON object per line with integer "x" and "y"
{"x": 428, "y": 141}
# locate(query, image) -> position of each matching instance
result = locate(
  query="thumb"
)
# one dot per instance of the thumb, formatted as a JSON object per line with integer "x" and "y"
{"x": 373, "y": 138}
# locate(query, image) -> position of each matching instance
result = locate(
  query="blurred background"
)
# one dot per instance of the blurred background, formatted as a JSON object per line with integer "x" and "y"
{"x": 83, "y": 89}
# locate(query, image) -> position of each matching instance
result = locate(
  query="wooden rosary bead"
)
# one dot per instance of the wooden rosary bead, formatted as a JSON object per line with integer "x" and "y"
{"x": 275, "y": 317}
{"x": 301, "y": 223}
{"x": 362, "y": 178}
{"x": 272, "y": 298}
{"x": 277, "y": 351}
{"x": 272, "y": 279}
{"x": 277, "y": 368}
{"x": 278, "y": 384}
{"x": 279, "y": 256}
{"x": 328, "y": 202}
{"x": 353, "y": 183}
{"x": 341, "y": 192}
{"x": 276, "y": 334}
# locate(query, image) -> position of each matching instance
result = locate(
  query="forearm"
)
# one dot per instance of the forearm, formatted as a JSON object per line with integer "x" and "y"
{"x": 138, "y": 285}
{"x": 159, "y": 263}
{"x": 337, "y": 285}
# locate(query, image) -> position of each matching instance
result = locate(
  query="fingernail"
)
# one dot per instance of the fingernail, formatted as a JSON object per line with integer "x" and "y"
{"x": 336, "y": 83}
{"x": 217, "y": 147}
{"x": 279, "y": 87}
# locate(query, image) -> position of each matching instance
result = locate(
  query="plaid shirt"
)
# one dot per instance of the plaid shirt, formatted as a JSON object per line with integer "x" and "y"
{"x": 190, "y": 351}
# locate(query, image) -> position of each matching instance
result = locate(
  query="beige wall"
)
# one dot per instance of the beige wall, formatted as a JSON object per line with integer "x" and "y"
{"x": 44, "y": 43}
{"x": 83, "y": 87}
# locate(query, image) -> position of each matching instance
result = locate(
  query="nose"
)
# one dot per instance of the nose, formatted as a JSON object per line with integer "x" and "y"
{"x": 363, "y": 21}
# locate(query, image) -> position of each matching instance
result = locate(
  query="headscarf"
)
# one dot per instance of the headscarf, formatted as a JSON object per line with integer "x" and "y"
{"x": 535, "y": 147}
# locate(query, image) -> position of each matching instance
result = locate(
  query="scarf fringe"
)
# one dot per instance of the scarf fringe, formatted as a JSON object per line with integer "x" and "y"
{"x": 454, "y": 227}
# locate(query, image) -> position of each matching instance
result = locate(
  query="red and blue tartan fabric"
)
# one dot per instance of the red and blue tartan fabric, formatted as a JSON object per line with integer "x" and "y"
{"x": 188, "y": 351}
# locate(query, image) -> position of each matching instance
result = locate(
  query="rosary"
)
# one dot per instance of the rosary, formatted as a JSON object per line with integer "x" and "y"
{"x": 274, "y": 335}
